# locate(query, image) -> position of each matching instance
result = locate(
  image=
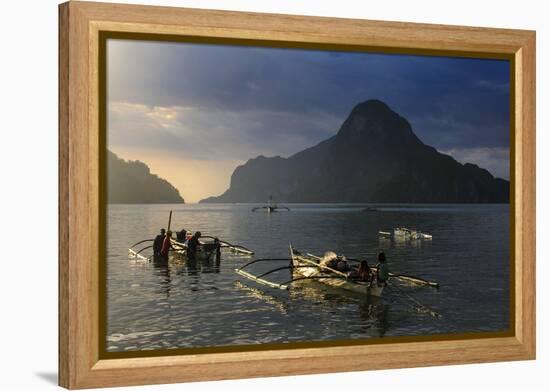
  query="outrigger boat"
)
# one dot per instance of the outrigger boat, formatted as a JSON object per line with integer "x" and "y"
{"x": 205, "y": 250}
{"x": 405, "y": 234}
{"x": 270, "y": 207}
{"x": 309, "y": 267}
{"x": 302, "y": 265}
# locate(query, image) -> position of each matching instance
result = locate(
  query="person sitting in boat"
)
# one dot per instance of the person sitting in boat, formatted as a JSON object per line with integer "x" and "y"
{"x": 157, "y": 243}
{"x": 382, "y": 270}
{"x": 181, "y": 236}
{"x": 192, "y": 245}
{"x": 364, "y": 273}
{"x": 166, "y": 246}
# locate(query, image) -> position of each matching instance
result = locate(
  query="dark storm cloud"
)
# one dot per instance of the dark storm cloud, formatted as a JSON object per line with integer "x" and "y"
{"x": 279, "y": 101}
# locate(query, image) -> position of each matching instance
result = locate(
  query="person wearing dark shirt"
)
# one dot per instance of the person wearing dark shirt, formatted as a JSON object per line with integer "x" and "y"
{"x": 157, "y": 243}
{"x": 192, "y": 245}
{"x": 181, "y": 236}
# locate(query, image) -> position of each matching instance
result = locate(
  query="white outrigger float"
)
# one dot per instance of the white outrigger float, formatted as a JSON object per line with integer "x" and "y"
{"x": 309, "y": 267}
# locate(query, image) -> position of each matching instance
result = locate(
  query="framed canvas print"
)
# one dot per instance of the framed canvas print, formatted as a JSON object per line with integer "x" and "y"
{"x": 247, "y": 195}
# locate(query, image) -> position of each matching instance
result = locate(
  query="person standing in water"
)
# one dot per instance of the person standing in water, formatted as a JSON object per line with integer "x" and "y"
{"x": 192, "y": 245}
{"x": 382, "y": 270}
{"x": 157, "y": 243}
{"x": 166, "y": 246}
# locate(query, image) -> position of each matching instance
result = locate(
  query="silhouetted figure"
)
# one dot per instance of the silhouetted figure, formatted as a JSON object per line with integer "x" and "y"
{"x": 192, "y": 246}
{"x": 166, "y": 246}
{"x": 157, "y": 243}
{"x": 181, "y": 236}
{"x": 364, "y": 271}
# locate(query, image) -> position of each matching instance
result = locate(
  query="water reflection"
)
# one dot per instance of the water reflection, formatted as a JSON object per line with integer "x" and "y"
{"x": 195, "y": 304}
{"x": 164, "y": 281}
{"x": 371, "y": 311}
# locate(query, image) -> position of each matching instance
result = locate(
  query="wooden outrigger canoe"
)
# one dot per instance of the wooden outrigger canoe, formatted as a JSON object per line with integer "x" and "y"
{"x": 302, "y": 264}
{"x": 205, "y": 250}
{"x": 309, "y": 267}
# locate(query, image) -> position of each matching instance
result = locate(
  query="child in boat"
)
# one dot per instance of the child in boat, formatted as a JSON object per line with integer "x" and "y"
{"x": 382, "y": 270}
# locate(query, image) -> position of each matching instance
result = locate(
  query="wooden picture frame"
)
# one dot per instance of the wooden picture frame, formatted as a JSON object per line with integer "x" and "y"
{"x": 80, "y": 242}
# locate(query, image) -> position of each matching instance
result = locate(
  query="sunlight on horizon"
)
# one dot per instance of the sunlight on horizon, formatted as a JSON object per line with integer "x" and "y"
{"x": 195, "y": 179}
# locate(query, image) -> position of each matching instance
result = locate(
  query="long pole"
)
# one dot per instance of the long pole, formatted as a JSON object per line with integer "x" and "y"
{"x": 169, "y": 221}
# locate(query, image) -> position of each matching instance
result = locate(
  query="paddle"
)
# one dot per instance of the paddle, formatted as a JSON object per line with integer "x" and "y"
{"x": 169, "y": 221}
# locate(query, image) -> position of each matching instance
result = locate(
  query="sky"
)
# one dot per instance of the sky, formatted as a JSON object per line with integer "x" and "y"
{"x": 194, "y": 112}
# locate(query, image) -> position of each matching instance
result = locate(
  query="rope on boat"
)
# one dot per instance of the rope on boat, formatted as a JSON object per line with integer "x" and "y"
{"x": 417, "y": 306}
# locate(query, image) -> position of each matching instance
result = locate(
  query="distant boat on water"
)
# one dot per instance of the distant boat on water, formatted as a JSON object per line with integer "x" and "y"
{"x": 270, "y": 207}
{"x": 369, "y": 209}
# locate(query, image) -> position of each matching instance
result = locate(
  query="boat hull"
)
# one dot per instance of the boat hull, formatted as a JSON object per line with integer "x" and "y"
{"x": 302, "y": 266}
{"x": 204, "y": 252}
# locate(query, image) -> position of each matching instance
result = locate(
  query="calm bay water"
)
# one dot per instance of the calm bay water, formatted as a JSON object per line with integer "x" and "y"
{"x": 179, "y": 306}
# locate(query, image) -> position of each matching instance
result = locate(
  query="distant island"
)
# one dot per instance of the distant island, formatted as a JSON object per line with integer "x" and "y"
{"x": 374, "y": 157}
{"x": 131, "y": 182}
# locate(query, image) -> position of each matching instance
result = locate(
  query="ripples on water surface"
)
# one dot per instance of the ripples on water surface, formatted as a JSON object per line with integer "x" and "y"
{"x": 207, "y": 304}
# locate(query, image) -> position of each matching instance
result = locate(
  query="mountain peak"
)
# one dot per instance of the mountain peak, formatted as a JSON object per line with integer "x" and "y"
{"x": 374, "y": 157}
{"x": 372, "y": 106}
{"x": 374, "y": 123}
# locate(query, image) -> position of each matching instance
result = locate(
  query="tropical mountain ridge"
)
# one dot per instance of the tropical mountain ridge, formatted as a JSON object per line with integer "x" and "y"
{"x": 131, "y": 182}
{"x": 375, "y": 157}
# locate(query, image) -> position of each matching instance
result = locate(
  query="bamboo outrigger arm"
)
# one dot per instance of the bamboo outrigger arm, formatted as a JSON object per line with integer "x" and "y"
{"x": 142, "y": 241}
{"x": 285, "y": 285}
{"x": 261, "y": 280}
{"x": 265, "y": 260}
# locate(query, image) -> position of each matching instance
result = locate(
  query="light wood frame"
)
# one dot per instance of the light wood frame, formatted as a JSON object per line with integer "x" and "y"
{"x": 80, "y": 23}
